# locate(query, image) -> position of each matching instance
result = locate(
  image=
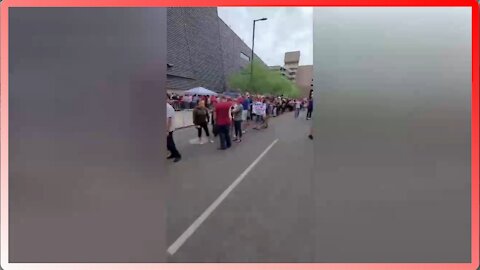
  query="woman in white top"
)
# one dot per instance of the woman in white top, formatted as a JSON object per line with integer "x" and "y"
{"x": 297, "y": 108}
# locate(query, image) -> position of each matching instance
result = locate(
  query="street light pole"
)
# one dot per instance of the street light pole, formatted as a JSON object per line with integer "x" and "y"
{"x": 253, "y": 47}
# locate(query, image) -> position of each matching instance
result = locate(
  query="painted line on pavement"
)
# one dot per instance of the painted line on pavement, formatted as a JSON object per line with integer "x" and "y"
{"x": 196, "y": 224}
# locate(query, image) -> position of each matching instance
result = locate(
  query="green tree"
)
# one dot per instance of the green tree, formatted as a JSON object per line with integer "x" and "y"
{"x": 263, "y": 82}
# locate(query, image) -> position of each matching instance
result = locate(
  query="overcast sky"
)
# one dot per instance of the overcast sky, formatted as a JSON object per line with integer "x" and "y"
{"x": 287, "y": 29}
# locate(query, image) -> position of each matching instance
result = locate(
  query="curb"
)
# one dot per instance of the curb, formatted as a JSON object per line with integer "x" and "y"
{"x": 184, "y": 127}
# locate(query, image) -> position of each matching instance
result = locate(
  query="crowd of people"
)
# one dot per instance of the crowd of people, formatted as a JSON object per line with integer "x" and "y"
{"x": 230, "y": 117}
{"x": 186, "y": 102}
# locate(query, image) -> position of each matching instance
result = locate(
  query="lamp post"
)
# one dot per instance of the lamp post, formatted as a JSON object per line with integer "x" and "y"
{"x": 253, "y": 46}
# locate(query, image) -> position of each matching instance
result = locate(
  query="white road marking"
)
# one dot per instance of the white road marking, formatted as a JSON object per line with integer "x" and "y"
{"x": 185, "y": 235}
{"x": 196, "y": 141}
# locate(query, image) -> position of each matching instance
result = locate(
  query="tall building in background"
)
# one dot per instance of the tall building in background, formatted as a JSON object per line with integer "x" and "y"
{"x": 302, "y": 76}
{"x": 304, "y": 80}
{"x": 292, "y": 60}
{"x": 202, "y": 50}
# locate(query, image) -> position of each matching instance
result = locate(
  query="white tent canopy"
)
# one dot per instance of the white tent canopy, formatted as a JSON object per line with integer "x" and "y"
{"x": 201, "y": 91}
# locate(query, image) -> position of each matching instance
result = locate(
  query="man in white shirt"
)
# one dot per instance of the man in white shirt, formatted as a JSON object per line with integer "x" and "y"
{"x": 174, "y": 154}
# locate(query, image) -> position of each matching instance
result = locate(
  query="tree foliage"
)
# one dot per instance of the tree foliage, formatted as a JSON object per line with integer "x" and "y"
{"x": 263, "y": 82}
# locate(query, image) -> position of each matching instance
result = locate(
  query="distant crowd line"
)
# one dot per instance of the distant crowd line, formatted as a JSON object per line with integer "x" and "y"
{"x": 229, "y": 115}
{"x": 277, "y": 105}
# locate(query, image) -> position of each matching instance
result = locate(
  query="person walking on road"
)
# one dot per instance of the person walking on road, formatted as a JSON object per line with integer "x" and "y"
{"x": 309, "y": 109}
{"x": 223, "y": 121}
{"x": 174, "y": 154}
{"x": 237, "y": 113}
{"x": 201, "y": 118}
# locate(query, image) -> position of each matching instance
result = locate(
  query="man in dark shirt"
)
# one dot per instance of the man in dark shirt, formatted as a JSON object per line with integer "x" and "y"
{"x": 223, "y": 120}
{"x": 309, "y": 108}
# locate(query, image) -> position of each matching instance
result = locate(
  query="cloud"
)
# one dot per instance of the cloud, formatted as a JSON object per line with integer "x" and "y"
{"x": 287, "y": 29}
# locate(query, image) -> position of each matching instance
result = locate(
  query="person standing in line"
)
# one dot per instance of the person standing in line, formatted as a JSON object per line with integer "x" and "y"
{"x": 213, "y": 103}
{"x": 201, "y": 117}
{"x": 237, "y": 120}
{"x": 182, "y": 102}
{"x": 260, "y": 113}
{"x": 208, "y": 102}
{"x": 232, "y": 128}
{"x": 256, "y": 111}
{"x": 250, "y": 109}
{"x": 275, "y": 107}
{"x": 310, "y": 108}
{"x": 267, "y": 112}
{"x": 213, "y": 100}
{"x": 186, "y": 102}
{"x": 214, "y": 126}
{"x": 297, "y": 108}
{"x": 174, "y": 154}
{"x": 245, "y": 111}
{"x": 253, "y": 113}
{"x": 194, "y": 102}
{"x": 223, "y": 121}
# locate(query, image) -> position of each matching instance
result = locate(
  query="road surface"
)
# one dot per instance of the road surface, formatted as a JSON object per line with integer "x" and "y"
{"x": 261, "y": 201}
{"x": 266, "y": 214}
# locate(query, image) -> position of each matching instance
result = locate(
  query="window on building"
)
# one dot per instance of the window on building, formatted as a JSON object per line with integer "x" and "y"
{"x": 244, "y": 56}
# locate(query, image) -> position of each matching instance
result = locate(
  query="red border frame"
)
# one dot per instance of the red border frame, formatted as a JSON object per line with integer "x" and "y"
{"x": 475, "y": 249}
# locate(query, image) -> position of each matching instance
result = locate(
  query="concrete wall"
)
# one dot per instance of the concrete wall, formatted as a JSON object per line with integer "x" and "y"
{"x": 86, "y": 154}
{"x": 392, "y": 134}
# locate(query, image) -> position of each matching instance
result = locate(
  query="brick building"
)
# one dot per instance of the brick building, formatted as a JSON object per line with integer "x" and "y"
{"x": 304, "y": 80}
{"x": 292, "y": 59}
{"x": 302, "y": 76}
{"x": 202, "y": 50}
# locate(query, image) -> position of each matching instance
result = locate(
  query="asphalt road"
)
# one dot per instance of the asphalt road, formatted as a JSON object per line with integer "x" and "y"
{"x": 266, "y": 217}
{"x": 292, "y": 207}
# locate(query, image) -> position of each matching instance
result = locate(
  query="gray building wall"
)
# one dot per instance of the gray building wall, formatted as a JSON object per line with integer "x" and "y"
{"x": 232, "y": 46}
{"x": 202, "y": 49}
{"x": 194, "y": 50}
